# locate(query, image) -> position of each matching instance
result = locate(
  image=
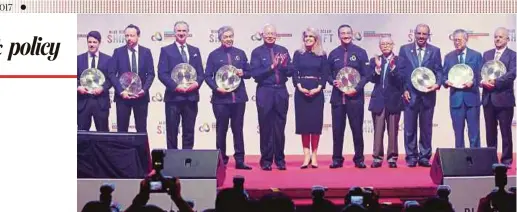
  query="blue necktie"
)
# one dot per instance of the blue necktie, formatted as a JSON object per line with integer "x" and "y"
{"x": 184, "y": 54}
{"x": 384, "y": 72}
{"x": 93, "y": 61}
{"x": 462, "y": 59}
{"x": 419, "y": 57}
{"x": 133, "y": 62}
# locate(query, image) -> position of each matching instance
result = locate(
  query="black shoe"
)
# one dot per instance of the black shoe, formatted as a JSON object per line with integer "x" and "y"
{"x": 411, "y": 164}
{"x": 242, "y": 166}
{"x": 304, "y": 166}
{"x": 424, "y": 163}
{"x": 392, "y": 164}
{"x": 360, "y": 165}
{"x": 376, "y": 164}
{"x": 314, "y": 166}
{"x": 281, "y": 167}
{"x": 267, "y": 168}
{"x": 336, "y": 165}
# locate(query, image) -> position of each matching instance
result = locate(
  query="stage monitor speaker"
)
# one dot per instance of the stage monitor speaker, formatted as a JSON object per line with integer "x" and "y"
{"x": 456, "y": 162}
{"x": 194, "y": 164}
{"x": 112, "y": 155}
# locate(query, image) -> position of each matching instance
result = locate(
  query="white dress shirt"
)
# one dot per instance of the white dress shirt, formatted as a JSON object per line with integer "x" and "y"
{"x": 499, "y": 53}
{"x": 185, "y": 48}
{"x": 130, "y": 54}
{"x": 90, "y": 58}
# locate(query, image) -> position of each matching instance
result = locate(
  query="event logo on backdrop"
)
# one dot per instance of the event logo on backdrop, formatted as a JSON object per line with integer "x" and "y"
{"x": 258, "y": 36}
{"x": 116, "y": 36}
{"x": 512, "y": 35}
{"x": 158, "y": 97}
{"x": 81, "y": 35}
{"x": 213, "y": 37}
{"x": 160, "y": 128}
{"x": 326, "y": 35}
{"x": 472, "y": 35}
{"x": 411, "y": 36}
{"x": 205, "y": 127}
{"x": 167, "y": 35}
{"x": 374, "y": 34}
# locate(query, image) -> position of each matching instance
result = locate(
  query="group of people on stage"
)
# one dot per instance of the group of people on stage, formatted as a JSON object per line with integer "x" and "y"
{"x": 311, "y": 70}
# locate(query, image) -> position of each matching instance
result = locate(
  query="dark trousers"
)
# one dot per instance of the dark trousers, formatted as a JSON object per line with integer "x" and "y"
{"x": 424, "y": 116}
{"x": 100, "y": 116}
{"x": 355, "y": 113}
{"x": 223, "y": 114}
{"x": 380, "y": 120}
{"x": 272, "y": 113}
{"x": 139, "y": 109}
{"x": 458, "y": 116}
{"x": 187, "y": 112}
{"x": 502, "y": 116}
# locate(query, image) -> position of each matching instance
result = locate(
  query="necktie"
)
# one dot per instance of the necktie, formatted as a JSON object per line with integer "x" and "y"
{"x": 345, "y": 61}
{"x": 273, "y": 59}
{"x": 133, "y": 62}
{"x": 419, "y": 57}
{"x": 93, "y": 61}
{"x": 384, "y": 72}
{"x": 462, "y": 59}
{"x": 497, "y": 55}
{"x": 184, "y": 54}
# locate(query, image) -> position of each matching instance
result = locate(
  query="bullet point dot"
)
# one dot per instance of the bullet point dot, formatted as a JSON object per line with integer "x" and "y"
{"x": 23, "y": 7}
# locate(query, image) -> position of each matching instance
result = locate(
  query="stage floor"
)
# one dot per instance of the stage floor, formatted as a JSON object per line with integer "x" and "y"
{"x": 392, "y": 185}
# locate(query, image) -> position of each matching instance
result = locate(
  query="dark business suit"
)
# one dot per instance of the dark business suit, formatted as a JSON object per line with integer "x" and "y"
{"x": 421, "y": 105}
{"x": 343, "y": 105}
{"x": 89, "y": 105}
{"x": 386, "y": 105}
{"x": 120, "y": 63}
{"x": 228, "y": 106}
{"x": 272, "y": 101}
{"x": 184, "y": 105}
{"x": 465, "y": 102}
{"x": 498, "y": 105}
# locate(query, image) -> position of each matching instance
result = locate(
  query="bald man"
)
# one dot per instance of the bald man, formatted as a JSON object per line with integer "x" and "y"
{"x": 419, "y": 106}
{"x": 386, "y": 102}
{"x": 498, "y": 97}
{"x": 270, "y": 65}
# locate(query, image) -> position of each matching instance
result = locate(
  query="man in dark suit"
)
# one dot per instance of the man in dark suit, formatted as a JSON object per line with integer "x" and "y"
{"x": 180, "y": 102}
{"x": 419, "y": 106}
{"x": 270, "y": 67}
{"x": 229, "y": 105}
{"x": 135, "y": 58}
{"x": 94, "y": 103}
{"x": 350, "y": 103}
{"x": 386, "y": 102}
{"x": 464, "y": 102}
{"x": 498, "y": 98}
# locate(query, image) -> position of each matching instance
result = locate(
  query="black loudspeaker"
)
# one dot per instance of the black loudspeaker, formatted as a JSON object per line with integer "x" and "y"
{"x": 194, "y": 164}
{"x": 456, "y": 162}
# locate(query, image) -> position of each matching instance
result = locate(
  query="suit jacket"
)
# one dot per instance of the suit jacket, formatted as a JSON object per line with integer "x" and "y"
{"x": 102, "y": 64}
{"x": 170, "y": 56}
{"x": 356, "y": 58}
{"x": 120, "y": 64}
{"x": 220, "y": 57}
{"x": 432, "y": 60}
{"x": 387, "y": 92}
{"x": 469, "y": 96}
{"x": 502, "y": 95}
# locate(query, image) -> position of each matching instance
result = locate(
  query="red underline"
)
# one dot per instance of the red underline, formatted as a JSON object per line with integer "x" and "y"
{"x": 37, "y": 76}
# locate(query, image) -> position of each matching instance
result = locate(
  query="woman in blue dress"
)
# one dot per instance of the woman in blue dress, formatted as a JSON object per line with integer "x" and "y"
{"x": 310, "y": 74}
